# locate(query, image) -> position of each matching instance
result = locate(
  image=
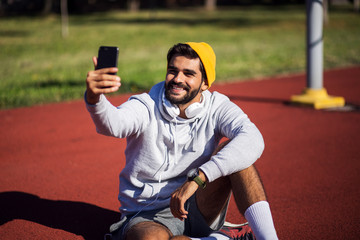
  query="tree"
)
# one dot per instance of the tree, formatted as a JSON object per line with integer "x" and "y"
{"x": 64, "y": 18}
{"x": 47, "y": 7}
{"x": 326, "y": 12}
{"x": 170, "y": 4}
{"x": 210, "y": 5}
{"x": 356, "y": 5}
{"x": 133, "y": 5}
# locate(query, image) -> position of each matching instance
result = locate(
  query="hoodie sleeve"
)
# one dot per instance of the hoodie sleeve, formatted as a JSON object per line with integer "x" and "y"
{"x": 129, "y": 118}
{"x": 246, "y": 142}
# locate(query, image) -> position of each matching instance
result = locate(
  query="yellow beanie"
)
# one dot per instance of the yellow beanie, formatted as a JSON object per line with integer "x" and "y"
{"x": 207, "y": 57}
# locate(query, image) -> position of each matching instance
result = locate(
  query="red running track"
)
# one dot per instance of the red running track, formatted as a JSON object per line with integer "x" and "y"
{"x": 59, "y": 179}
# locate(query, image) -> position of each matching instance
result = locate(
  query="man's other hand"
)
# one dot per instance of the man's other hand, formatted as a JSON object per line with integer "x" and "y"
{"x": 179, "y": 197}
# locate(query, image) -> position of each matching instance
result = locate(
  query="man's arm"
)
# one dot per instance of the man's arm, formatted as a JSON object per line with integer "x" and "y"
{"x": 122, "y": 121}
{"x": 244, "y": 148}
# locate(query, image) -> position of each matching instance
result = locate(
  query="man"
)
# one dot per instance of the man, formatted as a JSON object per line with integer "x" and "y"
{"x": 177, "y": 180}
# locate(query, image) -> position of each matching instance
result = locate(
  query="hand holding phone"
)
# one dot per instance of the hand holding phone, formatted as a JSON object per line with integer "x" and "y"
{"x": 103, "y": 81}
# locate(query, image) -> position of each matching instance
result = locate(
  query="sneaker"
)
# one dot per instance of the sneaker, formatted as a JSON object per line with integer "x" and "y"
{"x": 237, "y": 231}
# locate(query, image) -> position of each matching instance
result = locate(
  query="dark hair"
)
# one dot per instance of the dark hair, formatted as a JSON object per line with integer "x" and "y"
{"x": 186, "y": 51}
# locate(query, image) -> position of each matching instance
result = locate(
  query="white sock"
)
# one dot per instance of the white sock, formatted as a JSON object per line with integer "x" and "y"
{"x": 260, "y": 220}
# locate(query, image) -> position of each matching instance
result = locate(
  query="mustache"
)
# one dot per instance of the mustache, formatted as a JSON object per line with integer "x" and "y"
{"x": 172, "y": 83}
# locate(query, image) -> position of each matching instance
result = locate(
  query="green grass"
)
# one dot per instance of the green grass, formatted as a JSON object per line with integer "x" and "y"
{"x": 38, "y": 66}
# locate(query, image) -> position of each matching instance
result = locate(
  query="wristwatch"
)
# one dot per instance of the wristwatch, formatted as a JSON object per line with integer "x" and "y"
{"x": 193, "y": 175}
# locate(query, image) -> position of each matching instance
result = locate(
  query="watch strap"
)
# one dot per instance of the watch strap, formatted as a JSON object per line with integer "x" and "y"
{"x": 199, "y": 182}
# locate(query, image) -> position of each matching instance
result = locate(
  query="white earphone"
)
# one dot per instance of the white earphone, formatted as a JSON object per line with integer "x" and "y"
{"x": 194, "y": 109}
{"x": 190, "y": 112}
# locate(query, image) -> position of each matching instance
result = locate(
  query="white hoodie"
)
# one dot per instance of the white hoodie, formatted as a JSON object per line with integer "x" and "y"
{"x": 161, "y": 149}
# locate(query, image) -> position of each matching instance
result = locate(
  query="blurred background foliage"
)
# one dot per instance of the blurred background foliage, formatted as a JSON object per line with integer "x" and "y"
{"x": 86, "y": 6}
{"x": 252, "y": 40}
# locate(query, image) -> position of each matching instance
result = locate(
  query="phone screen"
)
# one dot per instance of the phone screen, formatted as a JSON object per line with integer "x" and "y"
{"x": 107, "y": 57}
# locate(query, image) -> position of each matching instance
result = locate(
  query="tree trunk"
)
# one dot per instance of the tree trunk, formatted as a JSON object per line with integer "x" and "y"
{"x": 210, "y": 5}
{"x": 64, "y": 18}
{"x": 170, "y": 4}
{"x": 326, "y": 11}
{"x": 47, "y": 7}
{"x": 133, "y": 5}
{"x": 356, "y": 5}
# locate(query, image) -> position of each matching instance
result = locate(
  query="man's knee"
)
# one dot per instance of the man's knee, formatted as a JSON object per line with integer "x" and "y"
{"x": 148, "y": 231}
{"x": 249, "y": 175}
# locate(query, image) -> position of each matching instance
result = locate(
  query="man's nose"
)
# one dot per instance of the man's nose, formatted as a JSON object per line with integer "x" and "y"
{"x": 179, "y": 77}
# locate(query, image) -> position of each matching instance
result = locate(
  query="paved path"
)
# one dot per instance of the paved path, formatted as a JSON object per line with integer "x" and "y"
{"x": 59, "y": 179}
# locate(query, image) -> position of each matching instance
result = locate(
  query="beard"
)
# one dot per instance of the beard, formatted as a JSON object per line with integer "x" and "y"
{"x": 190, "y": 94}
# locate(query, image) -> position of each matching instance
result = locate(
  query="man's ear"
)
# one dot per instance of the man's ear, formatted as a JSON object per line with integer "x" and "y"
{"x": 204, "y": 85}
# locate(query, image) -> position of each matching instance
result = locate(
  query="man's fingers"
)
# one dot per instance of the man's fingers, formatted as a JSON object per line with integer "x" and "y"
{"x": 107, "y": 80}
{"x": 100, "y": 76}
{"x": 173, "y": 206}
{"x": 95, "y": 61}
{"x": 183, "y": 213}
{"x": 104, "y": 90}
{"x": 177, "y": 207}
{"x": 182, "y": 210}
{"x": 109, "y": 89}
{"x": 99, "y": 83}
{"x": 107, "y": 70}
{"x": 105, "y": 86}
{"x": 179, "y": 198}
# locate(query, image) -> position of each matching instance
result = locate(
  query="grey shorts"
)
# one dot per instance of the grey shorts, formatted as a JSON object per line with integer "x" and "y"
{"x": 194, "y": 226}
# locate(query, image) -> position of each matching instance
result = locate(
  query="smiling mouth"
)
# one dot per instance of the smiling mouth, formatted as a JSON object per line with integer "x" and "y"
{"x": 177, "y": 88}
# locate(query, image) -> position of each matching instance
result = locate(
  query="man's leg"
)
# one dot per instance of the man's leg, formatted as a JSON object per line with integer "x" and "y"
{"x": 248, "y": 192}
{"x": 148, "y": 231}
{"x": 249, "y": 196}
{"x": 247, "y": 188}
{"x": 212, "y": 200}
{"x": 245, "y": 185}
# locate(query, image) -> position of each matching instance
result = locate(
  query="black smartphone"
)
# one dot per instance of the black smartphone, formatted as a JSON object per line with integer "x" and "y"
{"x": 107, "y": 57}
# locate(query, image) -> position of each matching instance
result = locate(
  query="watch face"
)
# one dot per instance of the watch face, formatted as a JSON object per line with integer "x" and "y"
{"x": 192, "y": 173}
